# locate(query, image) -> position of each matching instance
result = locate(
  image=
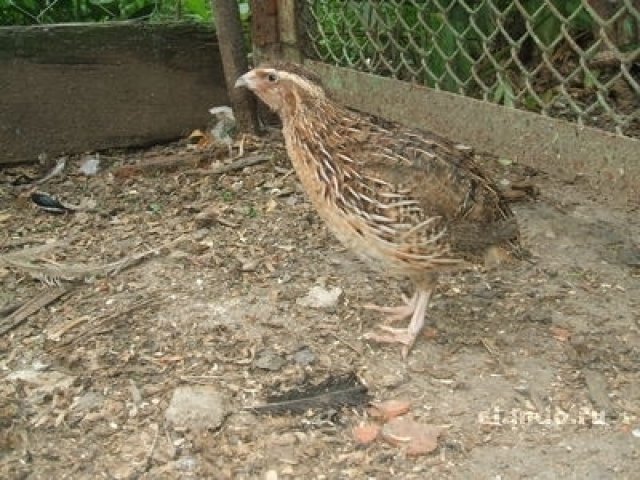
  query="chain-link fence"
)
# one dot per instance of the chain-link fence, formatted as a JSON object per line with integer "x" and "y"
{"x": 573, "y": 59}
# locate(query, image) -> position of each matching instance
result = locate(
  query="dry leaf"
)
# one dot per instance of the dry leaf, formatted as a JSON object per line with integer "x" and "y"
{"x": 559, "y": 333}
{"x": 366, "y": 432}
{"x": 389, "y": 409}
{"x": 196, "y": 136}
{"x": 415, "y": 438}
{"x": 271, "y": 205}
{"x": 127, "y": 171}
{"x": 430, "y": 333}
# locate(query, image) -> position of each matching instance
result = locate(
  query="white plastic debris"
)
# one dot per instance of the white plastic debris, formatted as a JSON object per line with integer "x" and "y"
{"x": 90, "y": 164}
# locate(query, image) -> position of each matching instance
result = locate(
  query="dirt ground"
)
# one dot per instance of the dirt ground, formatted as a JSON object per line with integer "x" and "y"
{"x": 530, "y": 368}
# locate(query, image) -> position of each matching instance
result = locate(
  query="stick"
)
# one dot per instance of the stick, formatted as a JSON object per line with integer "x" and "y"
{"x": 160, "y": 163}
{"x": 234, "y": 166}
{"x": 10, "y": 308}
{"x": 31, "y": 307}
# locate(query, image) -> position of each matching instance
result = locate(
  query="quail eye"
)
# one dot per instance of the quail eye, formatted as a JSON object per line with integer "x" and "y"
{"x": 272, "y": 77}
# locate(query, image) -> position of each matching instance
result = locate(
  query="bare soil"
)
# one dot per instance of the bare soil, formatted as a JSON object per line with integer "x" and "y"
{"x": 532, "y": 368}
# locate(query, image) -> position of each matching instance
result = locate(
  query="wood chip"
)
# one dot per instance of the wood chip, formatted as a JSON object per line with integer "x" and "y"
{"x": 559, "y": 333}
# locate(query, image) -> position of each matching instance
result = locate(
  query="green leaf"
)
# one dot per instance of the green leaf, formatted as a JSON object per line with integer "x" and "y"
{"x": 155, "y": 207}
{"x": 199, "y": 9}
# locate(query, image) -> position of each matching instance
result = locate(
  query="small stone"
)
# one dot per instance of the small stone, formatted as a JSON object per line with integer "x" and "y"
{"x": 271, "y": 475}
{"x": 322, "y": 298}
{"x": 304, "y": 357}
{"x": 197, "y": 407}
{"x": 269, "y": 360}
{"x": 88, "y": 402}
{"x": 538, "y": 316}
{"x": 186, "y": 464}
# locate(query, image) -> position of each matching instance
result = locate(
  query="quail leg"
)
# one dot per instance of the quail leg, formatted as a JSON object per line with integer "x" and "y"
{"x": 406, "y": 336}
{"x": 395, "y": 314}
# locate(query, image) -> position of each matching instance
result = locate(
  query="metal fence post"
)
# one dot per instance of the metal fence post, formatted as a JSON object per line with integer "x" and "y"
{"x": 234, "y": 60}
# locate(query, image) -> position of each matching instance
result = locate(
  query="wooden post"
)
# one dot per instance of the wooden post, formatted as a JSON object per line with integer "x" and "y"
{"x": 288, "y": 28}
{"x": 264, "y": 30}
{"x": 234, "y": 60}
{"x": 274, "y": 30}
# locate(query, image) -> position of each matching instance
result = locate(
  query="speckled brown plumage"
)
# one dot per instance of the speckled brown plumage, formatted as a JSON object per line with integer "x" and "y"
{"x": 411, "y": 202}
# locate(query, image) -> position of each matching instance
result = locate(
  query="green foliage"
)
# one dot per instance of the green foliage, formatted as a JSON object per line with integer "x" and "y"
{"x": 548, "y": 16}
{"x": 28, "y": 12}
{"x": 448, "y": 38}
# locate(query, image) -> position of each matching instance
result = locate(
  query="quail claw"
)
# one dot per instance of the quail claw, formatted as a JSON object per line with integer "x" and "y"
{"x": 393, "y": 335}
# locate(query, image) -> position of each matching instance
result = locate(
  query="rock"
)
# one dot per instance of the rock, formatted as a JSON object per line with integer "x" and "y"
{"x": 197, "y": 407}
{"x": 320, "y": 297}
{"x": 269, "y": 360}
{"x": 186, "y": 464}
{"x": 88, "y": 402}
{"x": 304, "y": 356}
{"x": 538, "y": 315}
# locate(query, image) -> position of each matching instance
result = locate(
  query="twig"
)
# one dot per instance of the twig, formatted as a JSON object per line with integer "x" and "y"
{"x": 160, "y": 163}
{"x": 10, "y": 308}
{"x": 57, "y": 170}
{"x": 29, "y": 308}
{"x": 348, "y": 344}
{"x": 236, "y": 165}
{"x": 149, "y": 460}
{"x": 96, "y": 324}
{"x": 57, "y": 335}
{"x": 53, "y": 273}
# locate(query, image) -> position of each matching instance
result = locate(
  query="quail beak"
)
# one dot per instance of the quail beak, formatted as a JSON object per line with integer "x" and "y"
{"x": 243, "y": 81}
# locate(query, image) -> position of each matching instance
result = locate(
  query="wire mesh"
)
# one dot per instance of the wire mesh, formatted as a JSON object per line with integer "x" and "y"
{"x": 573, "y": 59}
